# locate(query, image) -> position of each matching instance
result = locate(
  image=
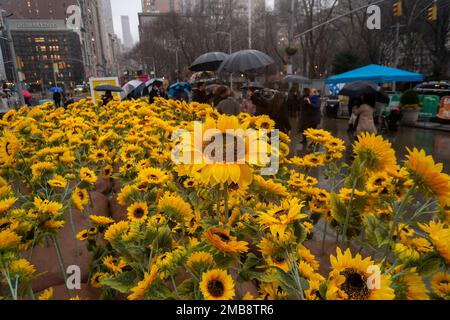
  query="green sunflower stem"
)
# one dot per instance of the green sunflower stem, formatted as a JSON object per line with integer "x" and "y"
{"x": 218, "y": 204}
{"x": 397, "y": 214}
{"x": 225, "y": 197}
{"x": 61, "y": 262}
{"x": 349, "y": 210}
{"x": 10, "y": 286}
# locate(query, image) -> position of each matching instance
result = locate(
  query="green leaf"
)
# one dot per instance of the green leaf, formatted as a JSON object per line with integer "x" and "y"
{"x": 186, "y": 289}
{"x": 251, "y": 262}
{"x": 429, "y": 265}
{"x": 122, "y": 283}
{"x": 223, "y": 261}
{"x": 323, "y": 288}
{"x": 300, "y": 232}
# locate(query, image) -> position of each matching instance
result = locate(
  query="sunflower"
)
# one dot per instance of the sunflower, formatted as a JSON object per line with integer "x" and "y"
{"x": 101, "y": 220}
{"x": 41, "y": 168}
{"x": 317, "y": 135}
{"x": 270, "y": 186}
{"x": 113, "y": 264}
{"x": 22, "y": 267}
{"x": 279, "y": 217}
{"x": 137, "y": 212}
{"x": 217, "y": 285}
{"x": 264, "y": 122}
{"x": 411, "y": 287}
{"x": 222, "y": 240}
{"x": 88, "y": 176}
{"x": 313, "y": 291}
{"x": 440, "y": 284}
{"x": 197, "y": 259}
{"x": 6, "y": 204}
{"x": 313, "y": 160}
{"x": 83, "y": 235}
{"x": 46, "y": 294}
{"x": 153, "y": 176}
{"x": 57, "y": 182}
{"x": 139, "y": 291}
{"x": 217, "y": 169}
{"x": 428, "y": 175}
{"x": 80, "y": 198}
{"x": 439, "y": 235}
{"x": 376, "y": 152}
{"x": 116, "y": 230}
{"x": 349, "y": 279}
{"x": 9, "y": 147}
{"x": 97, "y": 277}
{"x": 175, "y": 207}
{"x": 8, "y": 240}
{"x": 107, "y": 170}
{"x": 47, "y": 206}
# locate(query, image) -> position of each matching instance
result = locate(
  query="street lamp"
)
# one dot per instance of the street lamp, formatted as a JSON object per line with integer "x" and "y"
{"x": 231, "y": 51}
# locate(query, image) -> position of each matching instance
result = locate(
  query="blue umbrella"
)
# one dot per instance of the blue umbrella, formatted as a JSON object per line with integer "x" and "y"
{"x": 177, "y": 88}
{"x": 56, "y": 90}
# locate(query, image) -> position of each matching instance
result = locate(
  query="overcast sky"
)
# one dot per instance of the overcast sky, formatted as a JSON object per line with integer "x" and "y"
{"x": 131, "y": 8}
{"x": 126, "y": 8}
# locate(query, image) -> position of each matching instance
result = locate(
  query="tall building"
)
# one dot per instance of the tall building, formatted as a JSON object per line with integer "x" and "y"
{"x": 162, "y": 6}
{"x": 107, "y": 36}
{"x": 76, "y": 53}
{"x": 126, "y": 32}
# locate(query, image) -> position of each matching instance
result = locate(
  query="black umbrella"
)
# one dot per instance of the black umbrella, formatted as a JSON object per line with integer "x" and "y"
{"x": 108, "y": 87}
{"x": 245, "y": 60}
{"x": 210, "y": 61}
{"x": 292, "y": 78}
{"x": 360, "y": 88}
{"x": 157, "y": 81}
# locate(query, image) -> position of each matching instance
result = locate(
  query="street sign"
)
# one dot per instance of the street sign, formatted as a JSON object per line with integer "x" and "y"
{"x": 94, "y": 82}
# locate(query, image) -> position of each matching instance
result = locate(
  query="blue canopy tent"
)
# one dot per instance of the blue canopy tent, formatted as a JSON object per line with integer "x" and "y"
{"x": 377, "y": 74}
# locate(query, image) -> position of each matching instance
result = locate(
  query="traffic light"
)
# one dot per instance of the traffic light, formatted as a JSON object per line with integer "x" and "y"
{"x": 398, "y": 8}
{"x": 432, "y": 13}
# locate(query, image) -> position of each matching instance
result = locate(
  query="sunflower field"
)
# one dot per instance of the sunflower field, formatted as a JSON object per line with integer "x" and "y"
{"x": 94, "y": 188}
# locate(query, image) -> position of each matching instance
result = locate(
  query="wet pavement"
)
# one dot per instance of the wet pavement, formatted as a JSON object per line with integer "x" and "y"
{"x": 434, "y": 142}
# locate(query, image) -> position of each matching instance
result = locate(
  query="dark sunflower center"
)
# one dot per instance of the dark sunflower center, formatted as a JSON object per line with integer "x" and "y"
{"x": 139, "y": 213}
{"x": 355, "y": 285}
{"x": 7, "y": 148}
{"x": 379, "y": 181}
{"x": 444, "y": 282}
{"x": 224, "y": 237}
{"x": 230, "y": 148}
{"x": 216, "y": 288}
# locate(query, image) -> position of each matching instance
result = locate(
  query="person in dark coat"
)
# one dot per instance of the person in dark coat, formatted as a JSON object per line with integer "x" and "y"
{"x": 293, "y": 102}
{"x": 309, "y": 112}
{"x": 57, "y": 98}
{"x": 261, "y": 102}
{"x": 199, "y": 95}
{"x": 153, "y": 94}
{"x": 220, "y": 94}
{"x": 279, "y": 113}
{"x": 229, "y": 106}
{"x": 107, "y": 97}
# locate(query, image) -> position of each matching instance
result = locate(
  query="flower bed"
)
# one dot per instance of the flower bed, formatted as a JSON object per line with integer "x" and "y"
{"x": 96, "y": 187}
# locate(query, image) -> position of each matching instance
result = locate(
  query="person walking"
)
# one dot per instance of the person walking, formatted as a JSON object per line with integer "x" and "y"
{"x": 107, "y": 97}
{"x": 153, "y": 94}
{"x": 57, "y": 98}
{"x": 229, "y": 106}
{"x": 199, "y": 95}
{"x": 279, "y": 113}
{"x": 221, "y": 93}
{"x": 365, "y": 115}
{"x": 310, "y": 114}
